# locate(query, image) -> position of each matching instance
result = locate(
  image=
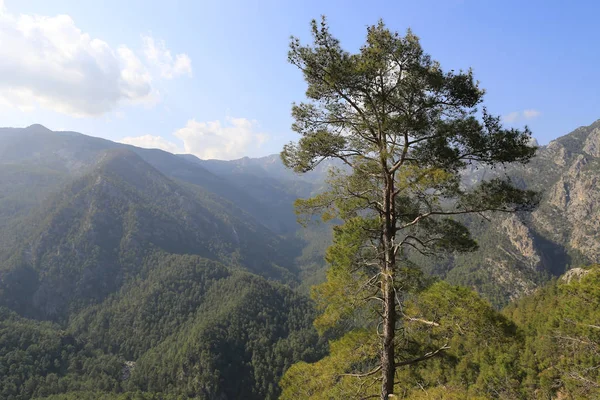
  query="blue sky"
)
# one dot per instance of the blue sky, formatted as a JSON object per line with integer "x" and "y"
{"x": 211, "y": 77}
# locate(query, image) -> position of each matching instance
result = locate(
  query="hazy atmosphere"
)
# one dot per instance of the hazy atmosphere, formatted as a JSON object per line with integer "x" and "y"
{"x": 274, "y": 200}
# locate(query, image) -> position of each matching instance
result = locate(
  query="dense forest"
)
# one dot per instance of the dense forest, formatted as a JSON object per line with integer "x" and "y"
{"x": 543, "y": 346}
{"x": 191, "y": 328}
{"x": 189, "y": 342}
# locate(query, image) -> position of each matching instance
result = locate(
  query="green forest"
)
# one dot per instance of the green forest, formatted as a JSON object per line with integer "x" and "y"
{"x": 542, "y": 346}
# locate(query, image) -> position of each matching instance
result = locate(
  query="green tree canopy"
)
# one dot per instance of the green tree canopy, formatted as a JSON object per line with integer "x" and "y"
{"x": 561, "y": 356}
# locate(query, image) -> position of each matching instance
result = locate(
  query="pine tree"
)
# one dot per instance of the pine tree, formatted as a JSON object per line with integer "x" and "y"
{"x": 404, "y": 130}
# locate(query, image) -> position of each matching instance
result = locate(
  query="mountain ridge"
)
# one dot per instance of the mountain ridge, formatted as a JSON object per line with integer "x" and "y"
{"x": 527, "y": 249}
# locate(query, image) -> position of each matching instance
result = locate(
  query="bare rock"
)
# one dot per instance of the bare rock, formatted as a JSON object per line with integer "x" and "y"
{"x": 574, "y": 274}
{"x": 592, "y": 143}
{"x": 127, "y": 369}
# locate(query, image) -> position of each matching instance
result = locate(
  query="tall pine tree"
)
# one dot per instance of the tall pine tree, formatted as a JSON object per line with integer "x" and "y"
{"x": 404, "y": 129}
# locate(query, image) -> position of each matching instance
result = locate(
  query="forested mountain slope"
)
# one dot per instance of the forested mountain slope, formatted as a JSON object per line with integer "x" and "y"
{"x": 126, "y": 270}
{"x": 36, "y": 154}
{"x": 544, "y": 346}
{"x": 92, "y": 236}
{"x": 191, "y": 328}
{"x": 124, "y": 249}
{"x": 517, "y": 252}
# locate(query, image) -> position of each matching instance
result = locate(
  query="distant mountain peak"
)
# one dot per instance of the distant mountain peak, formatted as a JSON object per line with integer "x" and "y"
{"x": 38, "y": 127}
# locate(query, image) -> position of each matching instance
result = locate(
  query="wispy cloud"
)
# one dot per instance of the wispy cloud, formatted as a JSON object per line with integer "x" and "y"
{"x": 512, "y": 117}
{"x": 531, "y": 114}
{"x": 521, "y": 115}
{"x": 152, "y": 142}
{"x": 158, "y": 55}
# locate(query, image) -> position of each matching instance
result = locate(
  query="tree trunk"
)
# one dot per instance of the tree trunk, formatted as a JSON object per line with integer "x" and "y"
{"x": 388, "y": 359}
{"x": 389, "y": 330}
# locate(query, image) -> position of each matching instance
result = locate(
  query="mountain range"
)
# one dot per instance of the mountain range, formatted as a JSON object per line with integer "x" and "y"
{"x": 136, "y": 270}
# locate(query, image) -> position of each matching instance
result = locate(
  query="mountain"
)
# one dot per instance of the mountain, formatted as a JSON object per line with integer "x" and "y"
{"x": 270, "y": 183}
{"x": 37, "y": 154}
{"x": 269, "y": 166}
{"x": 94, "y": 234}
{"x": 569, "y": 216}
{"x": 518, "y": 253}
{"x": 123, "y": 255}
{"x": 273, "y": 188}
{"x": 136, "y": 272}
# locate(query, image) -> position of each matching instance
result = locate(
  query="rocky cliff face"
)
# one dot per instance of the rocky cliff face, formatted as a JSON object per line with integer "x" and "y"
{"x": 522, "y": 240}
{"x": 518, "y": 252}
{"x": 570, "y": 212}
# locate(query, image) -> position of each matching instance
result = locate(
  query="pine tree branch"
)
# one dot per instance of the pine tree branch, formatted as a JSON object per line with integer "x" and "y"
{"x": 424, "y": 357}
{"x": 372, "y": 372}
{"x": 423, "y": 321}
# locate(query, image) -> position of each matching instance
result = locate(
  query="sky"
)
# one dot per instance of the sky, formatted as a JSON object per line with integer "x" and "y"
{"x": 211, "y": 78}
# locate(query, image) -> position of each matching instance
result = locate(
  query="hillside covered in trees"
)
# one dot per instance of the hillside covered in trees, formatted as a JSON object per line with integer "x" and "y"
{"x": 123, "y": 279}
{"x": 131, "y": 273}
{"x": 544, "y": 346}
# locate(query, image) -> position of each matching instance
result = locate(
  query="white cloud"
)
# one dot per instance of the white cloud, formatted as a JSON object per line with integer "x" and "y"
{"x": 158, "y": 55}
{"x": 531, "y": 114}
{"x": 152, "y": 142}
{"x": 235, "y": 138}
{"x": 521, "y": 115}
{"x": 512, "y": 117}
{"x": 49, "y": 62}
